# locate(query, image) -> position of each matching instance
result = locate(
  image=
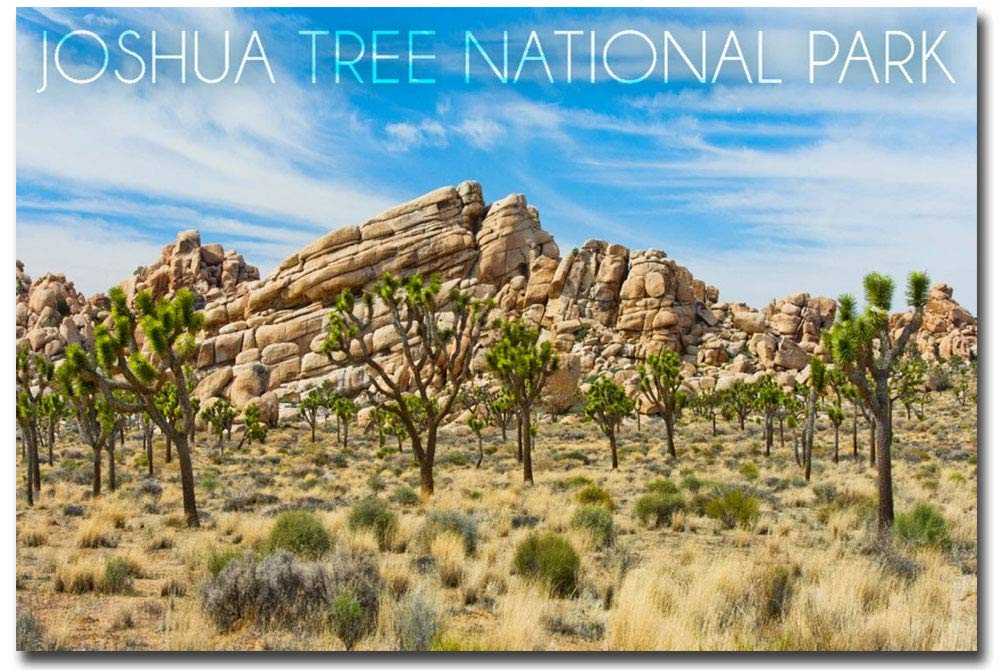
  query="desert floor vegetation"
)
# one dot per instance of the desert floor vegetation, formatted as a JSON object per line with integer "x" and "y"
{"x": 309, "y": 545}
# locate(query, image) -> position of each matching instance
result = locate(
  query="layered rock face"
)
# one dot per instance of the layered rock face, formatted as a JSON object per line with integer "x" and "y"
{"x": 603, "y": 306}
{"x": 209, "y": 270}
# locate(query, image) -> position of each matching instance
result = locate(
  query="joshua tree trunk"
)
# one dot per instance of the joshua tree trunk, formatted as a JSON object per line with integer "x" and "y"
{"x": 479, "y": 461}
{"x": 836, "y": 443}
{"x": 97, "y": 472}
{"x": 312, "y": 431}
{"x": 51, "y": 440}
{"x": 520, "y": 439}
{"x": 807, "y": 438}
{"x": 112, "y": 475}
{"x": 795, "y": 446}
{"x": 638, "y": 423}
{"x": 781, "y": 433}
{"x": 854, "y": 436}
{"x": 669, "y": 420}
{"x": 871, "y": 444}
{"x": 614, "y": 448}
{"x": 525, "y": 424}
{"x": 768, "y": 435}
{"x": 713, "y": 424}
{"x": 147, "y": 437}
{"x": 187, "y": 480}
{"x": 170, "y": 457}
{"x": 883, "y": 441}
{"x": 35, "y": 466}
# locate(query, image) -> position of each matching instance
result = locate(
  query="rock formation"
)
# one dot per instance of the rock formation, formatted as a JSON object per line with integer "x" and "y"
{"x": 603, "y": 306}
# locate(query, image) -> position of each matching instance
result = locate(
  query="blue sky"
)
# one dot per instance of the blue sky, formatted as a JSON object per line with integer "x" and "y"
{"x": 761, "y": 190}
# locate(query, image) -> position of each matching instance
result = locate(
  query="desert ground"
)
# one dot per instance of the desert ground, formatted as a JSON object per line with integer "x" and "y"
{"x": 121, "y": 572}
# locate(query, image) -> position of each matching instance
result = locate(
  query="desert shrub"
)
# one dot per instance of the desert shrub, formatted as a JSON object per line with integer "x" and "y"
{"x": 151, "y": 488}
{"x": 357, "y": 573}
{"x": 405, "y": 495}
{"x": 118, "y": 576}
{"x": 733, "y": 507}
{"x": 417, "y": 622}
{"x": 220, "y": 558}
{"x": 173, "y": 588}
{"x": 30, "y": 633}
{"x": 662, "y": 485}
{"x": 593, "y": 494}
{"x": 692, "y": 483}
{"x": 374, "y": 515}
{"x": 465, "y": 526}
{"x": 551, "y": 559}
{"x": 347, "y": 619}
{"x": 923, "y": 526}
{"x": 750, "y": 471}
{"x": 597, "y": 521}
{"x": 299, "y": 532}
{"x": 657, "y": 509}
{"x": 277, "y": 591}
{"x": 825, "y": 493}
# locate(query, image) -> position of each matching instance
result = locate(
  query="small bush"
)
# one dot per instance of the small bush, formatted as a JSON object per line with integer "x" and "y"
{"x": 30, "y": 633}
{"x": 750, "y": 471}
{"x": 405, "y": 495}
{"x": 550, "y": 559}
{"x": 374, "y": 515}
{"x": 825, "y": 493}
{"x": 662, "y": 485}
{"x": 692, "y": 483}
{"x": 417, "y": 622}
{"x": 218, "y": 559}
{"x": 357, "y": 573}
{"x": 299, "y": 532}
{"x": 658, "y": 509}
{"x": 733, "y": 508}
{"x": 348, "y": 619}
{"x": 118, "y": 576}
{"x": 464, "y": 525}
{"x": 595, "y": 495}
{"x": 923, "y": 526}
{"x": 597, "y": 521}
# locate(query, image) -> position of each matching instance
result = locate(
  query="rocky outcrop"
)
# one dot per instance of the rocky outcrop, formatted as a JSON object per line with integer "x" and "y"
{"x": 603, "y": 306}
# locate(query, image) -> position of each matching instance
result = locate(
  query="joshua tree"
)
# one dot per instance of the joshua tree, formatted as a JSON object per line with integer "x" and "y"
{"x": 53, "y": 409}
{"x": 907, "y": 381}
{"x": 345, "y": 410}
{"x": 254, "y": 430}
{"x": 836, "y": 415}
{"x": 522, "y": 366}
{"x": 34, "y": 377}
{"x": 92, "y": 410}
{"x": 794, "y": 411}
{"x": 660, "y": 382}
{"x": 706, "y": 405}
{"x": 867, "y": 351}
{"x": 607, "y": 405}
{"x": 740, "y": 398}
{"x": 476, "y": 425}
{"x": 817, "y": 385}
{"x": 220, "y": 416}
{"x": 499, "y": 411}
{"x": 167, "y": 329}
{"x": 769, "y": 400}
{"x": 310, "y": 407}
{"x": 437, "y": 339}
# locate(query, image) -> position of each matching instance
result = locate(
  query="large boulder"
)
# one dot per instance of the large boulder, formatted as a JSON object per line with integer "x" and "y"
{"x": 249, "y": 383}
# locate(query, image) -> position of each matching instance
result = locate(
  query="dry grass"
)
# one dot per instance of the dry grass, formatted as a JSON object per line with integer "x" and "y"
{"x": 805, "y": 576}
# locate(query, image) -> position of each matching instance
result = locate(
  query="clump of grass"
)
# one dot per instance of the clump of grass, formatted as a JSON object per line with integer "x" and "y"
{"x": 662, "y": 485}
{"x": 95, "y": 533}
{"x": 173, "y": 588}
{"x": 220, "y": 558}
{"x": 593, "y": 494}
{"x": 597, "y": 521}
{"x": 417, "y": 622}
{"x": 76, "y": 578}
{"x": 692, "y": 483}
{"x": 826, "y": 492}
{"x": 374, "y": 515}
{"x": 405, "y": 495}
{"x": 449, "y": 556}
{"x": 299, "y": 532}
{"x": 465, "y": 526}
{"x": 733, "y": 508}
{"x": 119, "y": 574}
{"x": 658, "y": 509}
{"x": 550, "y": 559}
{"x": 923, "y": 526}
{"x": 750, "y": 471}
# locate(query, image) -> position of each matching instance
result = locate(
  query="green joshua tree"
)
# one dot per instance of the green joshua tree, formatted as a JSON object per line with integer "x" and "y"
{"x": 254, "y": 429}
{"x": 34, "y": 377}
{"x": 476, "y": 425}
{"x": 769, "y": 400}
{"x": 740, "y": 398}
{"x": 607, "y": 404}
{"x": 53, "y": 410}
{"x": 167, "y": 329}
{"x": 794, "y": 413}
{"x": 500, "y": 411}
{"x": 522, "y": 365}
{"x": 345, "y": 410}
{"x": 220, "y": 416}
{"x": 311, "y": 407}
{"x": 660, "y": 382}
{"x": 707, "y": 405}
{"x": 868, "y": 352}
{"x": 817, "y": 386}
{"x": 437, "y": 335}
